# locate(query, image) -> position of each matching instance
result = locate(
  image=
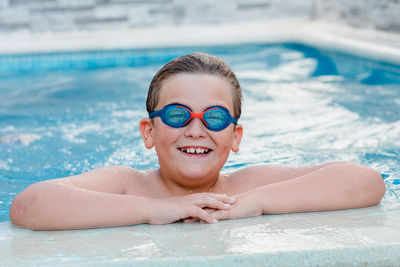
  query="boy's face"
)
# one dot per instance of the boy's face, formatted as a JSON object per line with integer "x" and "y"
{"x": 198, "y": 92}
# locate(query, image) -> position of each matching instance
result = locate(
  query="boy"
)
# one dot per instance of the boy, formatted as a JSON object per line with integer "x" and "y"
{"x": 194, "y": 103}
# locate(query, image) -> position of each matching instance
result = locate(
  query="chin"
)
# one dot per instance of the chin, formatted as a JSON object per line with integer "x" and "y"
{"x": 197, "y": 175}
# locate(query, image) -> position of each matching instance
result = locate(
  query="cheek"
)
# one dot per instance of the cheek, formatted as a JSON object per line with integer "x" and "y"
{"x": 165, "y": 135}
{"x": 224, "y": 141}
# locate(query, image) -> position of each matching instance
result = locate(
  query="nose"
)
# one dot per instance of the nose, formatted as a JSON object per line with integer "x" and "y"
{"x": 195, "y": 129}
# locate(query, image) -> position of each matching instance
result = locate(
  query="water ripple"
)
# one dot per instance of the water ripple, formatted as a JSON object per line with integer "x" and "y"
{"x": 54, "y": 123}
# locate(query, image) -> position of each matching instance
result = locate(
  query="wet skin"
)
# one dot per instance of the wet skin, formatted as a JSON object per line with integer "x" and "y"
{"x": 191, "y": 172}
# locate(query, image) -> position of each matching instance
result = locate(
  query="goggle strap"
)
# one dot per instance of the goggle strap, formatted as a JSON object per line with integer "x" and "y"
{"x": 154, "y": 114}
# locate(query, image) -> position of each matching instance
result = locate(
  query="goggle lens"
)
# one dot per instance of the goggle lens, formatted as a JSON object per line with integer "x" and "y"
{"x": 217, "y": 118}
{"x": 175, "y": 117}
{"x": 214, "y": 118}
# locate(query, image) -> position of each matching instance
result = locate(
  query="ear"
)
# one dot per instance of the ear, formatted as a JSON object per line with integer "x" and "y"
{"x": 146, "y": 129}
{"x": 237, "y": 137}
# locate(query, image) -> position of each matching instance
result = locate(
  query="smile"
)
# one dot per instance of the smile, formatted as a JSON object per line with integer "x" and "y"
{"x": 197, "y": 150}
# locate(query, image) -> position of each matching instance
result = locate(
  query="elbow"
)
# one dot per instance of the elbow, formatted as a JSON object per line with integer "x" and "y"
{"x": 376, "y": 186}
{"x": 18, "y": 210}
{"x": 23, "y": 212}
{"x": 372, "y": 185}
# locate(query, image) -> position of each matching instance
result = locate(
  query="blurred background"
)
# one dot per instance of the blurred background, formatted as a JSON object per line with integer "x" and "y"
{"x": 38, "y": 16}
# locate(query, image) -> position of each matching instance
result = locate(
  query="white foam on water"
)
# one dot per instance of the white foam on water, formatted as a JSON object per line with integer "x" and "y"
{"x": 4, "y": 166}
{"x": 72, "y": 131}
{"x": 24, "y": 139}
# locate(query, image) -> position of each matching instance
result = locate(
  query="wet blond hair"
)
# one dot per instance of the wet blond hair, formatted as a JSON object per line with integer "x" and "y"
{"x": 195, "y": 63}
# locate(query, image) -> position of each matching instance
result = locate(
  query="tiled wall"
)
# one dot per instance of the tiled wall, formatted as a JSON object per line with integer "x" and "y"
{"x": 66, "y": 15}
{"x": 70, "y": 15}
{"x": 377, "y": 14}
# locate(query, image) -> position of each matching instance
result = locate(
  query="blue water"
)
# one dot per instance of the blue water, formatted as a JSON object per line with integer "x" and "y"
{"x": 65, "y": 113}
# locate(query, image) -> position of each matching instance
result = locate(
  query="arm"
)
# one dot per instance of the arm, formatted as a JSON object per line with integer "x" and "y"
{"x": 97, "y": 199}
{"x": 52, "y": 206}
{"x": 264, "y": 174}
{"x": 334, "y": 186}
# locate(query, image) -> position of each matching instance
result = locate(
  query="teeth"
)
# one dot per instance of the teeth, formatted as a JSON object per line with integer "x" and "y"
{"x": 192, "y": 150}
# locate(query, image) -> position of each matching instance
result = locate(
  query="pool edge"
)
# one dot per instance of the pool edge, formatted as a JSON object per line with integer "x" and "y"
{"x": 349, "y": 237}
{"x": 367, "y": 43}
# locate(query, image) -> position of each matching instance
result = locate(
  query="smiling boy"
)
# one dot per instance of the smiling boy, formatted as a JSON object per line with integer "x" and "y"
{"x": 194, "y": 103}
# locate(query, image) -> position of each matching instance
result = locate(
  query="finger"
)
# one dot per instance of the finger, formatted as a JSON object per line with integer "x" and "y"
{"x": 223, "y": 198}
{"x": 209, "y": 202}
{"x": 209, "y": 210}
{"x": 203, "y": 215}
{"x": 222, "y": 214}
{"x": 227, "y": 199}
{"x": 190, "y": 220}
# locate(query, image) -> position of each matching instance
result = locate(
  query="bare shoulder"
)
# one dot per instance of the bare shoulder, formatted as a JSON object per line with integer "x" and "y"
{"x": 114, "y": 173}
{"x": 118, "y": 171}
{"x": 126, "y": 180}
{"x": 111, "y": 179}
{"x": 130, "y": 180}
{"x": 146, "y": 183}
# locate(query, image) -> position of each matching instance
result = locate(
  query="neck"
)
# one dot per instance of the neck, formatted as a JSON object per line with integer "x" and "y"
{"x": 187, "y": 186}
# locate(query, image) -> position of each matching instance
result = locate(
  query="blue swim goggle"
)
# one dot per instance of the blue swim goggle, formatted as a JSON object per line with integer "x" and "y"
{"x": 215, "y": 118}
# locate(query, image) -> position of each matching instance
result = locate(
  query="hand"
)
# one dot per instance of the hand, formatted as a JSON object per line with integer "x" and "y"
{"x": 192, "y": 206}
{"x": 248, "y": 204}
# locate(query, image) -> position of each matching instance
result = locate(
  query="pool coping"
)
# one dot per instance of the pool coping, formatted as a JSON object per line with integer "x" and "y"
{"x": 367, "y": 43}
{"x": 358, "y": 237}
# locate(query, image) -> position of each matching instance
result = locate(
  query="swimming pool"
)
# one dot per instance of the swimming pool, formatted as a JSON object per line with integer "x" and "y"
{"x": 65, "y": 113}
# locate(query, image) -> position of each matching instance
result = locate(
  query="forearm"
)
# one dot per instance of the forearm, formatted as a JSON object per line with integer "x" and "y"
{"x": 52, "y": 206}
{"x": 335, "y": 186}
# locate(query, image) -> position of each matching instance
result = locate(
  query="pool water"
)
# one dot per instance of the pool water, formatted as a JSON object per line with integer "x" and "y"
{"x": 66, "y": 113}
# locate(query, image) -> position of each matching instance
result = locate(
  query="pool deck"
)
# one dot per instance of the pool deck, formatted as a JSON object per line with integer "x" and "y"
{"x": 377, "y": 45}
{"x": 359, "y": 237}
